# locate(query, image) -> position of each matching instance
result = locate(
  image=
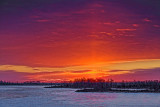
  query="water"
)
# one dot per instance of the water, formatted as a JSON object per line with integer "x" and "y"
{"x": 37, "y": 96}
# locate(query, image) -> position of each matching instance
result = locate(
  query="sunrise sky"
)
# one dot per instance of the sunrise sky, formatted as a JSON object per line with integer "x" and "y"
{"x": 59, "y": 40}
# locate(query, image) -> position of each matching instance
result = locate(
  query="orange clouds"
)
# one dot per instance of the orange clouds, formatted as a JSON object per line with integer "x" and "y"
{"x": 102, "y": 70}
{"x": 125, "y": 29}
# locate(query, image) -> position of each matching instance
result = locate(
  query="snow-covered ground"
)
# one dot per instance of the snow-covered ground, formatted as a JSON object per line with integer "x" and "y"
{"x": 37, "y": 96}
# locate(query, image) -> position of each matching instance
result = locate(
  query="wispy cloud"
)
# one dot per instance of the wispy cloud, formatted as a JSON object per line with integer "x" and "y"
{"x": 121, "y": 65}
{"x": 125, "y": 29}
{"x": 83, "y": 71}
{"x": 95, "y": 70}
{"x": 137, "y": 74}
{"x": 113, "y": 68}
{"x": 147, "y": 20}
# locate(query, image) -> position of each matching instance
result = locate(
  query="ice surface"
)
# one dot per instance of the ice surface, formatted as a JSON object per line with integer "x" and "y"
{"x": 37, "y": 96}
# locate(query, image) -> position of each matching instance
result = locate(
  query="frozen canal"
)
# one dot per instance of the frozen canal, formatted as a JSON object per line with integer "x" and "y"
{"x": 37, "y": 96}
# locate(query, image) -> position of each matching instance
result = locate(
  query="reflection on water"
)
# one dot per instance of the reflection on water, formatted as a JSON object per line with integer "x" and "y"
{"x": 37, "y": 96}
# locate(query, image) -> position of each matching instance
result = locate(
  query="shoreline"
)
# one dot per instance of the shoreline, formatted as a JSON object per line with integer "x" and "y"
{"x": 119, "y": 90}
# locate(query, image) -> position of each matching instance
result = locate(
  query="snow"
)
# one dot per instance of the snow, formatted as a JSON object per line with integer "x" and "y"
{"x": 37, "y": 96}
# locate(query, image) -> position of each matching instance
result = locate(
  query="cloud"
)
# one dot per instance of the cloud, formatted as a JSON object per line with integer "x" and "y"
{"x": 83, "y": 71}
{"x": 157, "y": 26}
{"x": 107, "y": 66}
{"x": 48, "y": 73}
{"x": 137, "y": 74}
{"x": 147, "y": 20}
{"x": 135, "y": 25}
{"x": 115, "y": 71}
{"x": 135, "y": 64}
{"x": 14, "y": 76}
{"x": 125, "y": 29}
{"x": 126, "y": 70}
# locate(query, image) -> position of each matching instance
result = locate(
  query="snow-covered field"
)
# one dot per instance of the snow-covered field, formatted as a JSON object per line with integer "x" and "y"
{"x": 37, "y": 96}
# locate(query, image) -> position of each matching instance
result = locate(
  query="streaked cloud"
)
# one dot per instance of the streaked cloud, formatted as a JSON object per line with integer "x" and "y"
{"x": 138, "y": 75}
{"x": 117, "y": 71}
{"x": 125, "y": 29}
{"x": 147, "y": 20}
{"x": 121, "y": 65}
{"x": 84, "y": 71}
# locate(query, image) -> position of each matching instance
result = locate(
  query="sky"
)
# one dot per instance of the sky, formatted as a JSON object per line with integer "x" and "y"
{"x": 60, "y": 40}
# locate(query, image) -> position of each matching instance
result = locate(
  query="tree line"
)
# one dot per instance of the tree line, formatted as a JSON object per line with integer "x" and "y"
{"x": 98, "y": 84}
{"x": 101, "y": 84}
{"x": 24, "y": 83}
